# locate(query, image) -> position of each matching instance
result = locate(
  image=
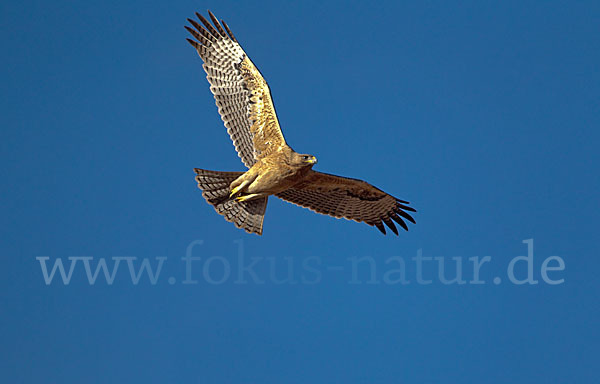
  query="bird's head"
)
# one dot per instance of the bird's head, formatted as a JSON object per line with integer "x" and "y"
{"x": 303, "y": 159}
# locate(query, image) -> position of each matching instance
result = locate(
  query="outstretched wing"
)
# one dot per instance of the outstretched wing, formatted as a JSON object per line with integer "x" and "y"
{"x": 241, "y": 93}
{"x": 349, "y": 198}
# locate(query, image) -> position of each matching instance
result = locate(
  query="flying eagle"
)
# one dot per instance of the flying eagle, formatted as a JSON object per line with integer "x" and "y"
{"x": 246, "y": 107}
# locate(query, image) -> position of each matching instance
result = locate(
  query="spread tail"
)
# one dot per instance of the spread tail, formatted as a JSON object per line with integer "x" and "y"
{"x": 247, "y": 215}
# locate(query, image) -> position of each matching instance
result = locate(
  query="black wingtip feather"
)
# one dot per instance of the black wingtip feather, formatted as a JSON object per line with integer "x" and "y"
{"x": 193, "y": 32}
{"x": 211, "y": 30}
{"x": 195, "y": 24}
{"x": 194, "y": 43}
{"x": 217, "y": 24}
{"x": 390, "y": 224}
{"x": 206, "y": 36}
{"x": 406, "y": 208}
{"x": 380, "y": 226}
{"x": 228, "y": 31}
{"x": 399, "y": 221}
{"x": 406, "y": 216}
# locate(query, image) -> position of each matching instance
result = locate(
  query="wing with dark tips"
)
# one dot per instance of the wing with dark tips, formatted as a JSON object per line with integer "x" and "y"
{"x": 352, "y": 199}
{"x": 241, "y": 93}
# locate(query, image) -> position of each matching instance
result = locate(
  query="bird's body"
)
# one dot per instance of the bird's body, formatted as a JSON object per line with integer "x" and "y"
{"x": 273, "y": 173}
{"x": 274, "y": 168}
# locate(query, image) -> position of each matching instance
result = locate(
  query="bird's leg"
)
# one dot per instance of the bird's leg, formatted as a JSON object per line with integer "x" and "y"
{"x": 248, "y": 197}
{"x": 236, "y": 190}
{"x": 238, "y": 185}
{"x": 242, "y": 182}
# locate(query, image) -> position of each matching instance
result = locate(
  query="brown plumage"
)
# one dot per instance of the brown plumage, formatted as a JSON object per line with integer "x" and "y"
{"x": 246, "y": 107}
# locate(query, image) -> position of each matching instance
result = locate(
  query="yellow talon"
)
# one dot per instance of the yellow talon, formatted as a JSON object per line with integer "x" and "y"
{"x": 234, "y": 191}
{"x": 246, "y": 197}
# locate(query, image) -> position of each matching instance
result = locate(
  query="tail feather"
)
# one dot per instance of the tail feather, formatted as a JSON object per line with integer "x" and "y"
{"x": 248, "y": 215}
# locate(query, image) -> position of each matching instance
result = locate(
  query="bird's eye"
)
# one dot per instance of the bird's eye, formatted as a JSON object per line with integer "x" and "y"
{"x": 305, "y": 157}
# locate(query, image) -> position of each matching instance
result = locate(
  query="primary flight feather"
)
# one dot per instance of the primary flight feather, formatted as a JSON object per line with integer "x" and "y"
{"x": 246, "y": 107}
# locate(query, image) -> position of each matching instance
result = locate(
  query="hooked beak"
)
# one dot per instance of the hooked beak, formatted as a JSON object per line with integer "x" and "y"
{"x": 312, "y": 160}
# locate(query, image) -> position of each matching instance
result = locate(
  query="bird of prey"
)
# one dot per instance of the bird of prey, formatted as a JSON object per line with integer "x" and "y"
{"x": 274, "y": 168}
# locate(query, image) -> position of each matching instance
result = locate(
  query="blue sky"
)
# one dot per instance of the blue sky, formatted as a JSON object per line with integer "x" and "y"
{"x": 484, "y": 116}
